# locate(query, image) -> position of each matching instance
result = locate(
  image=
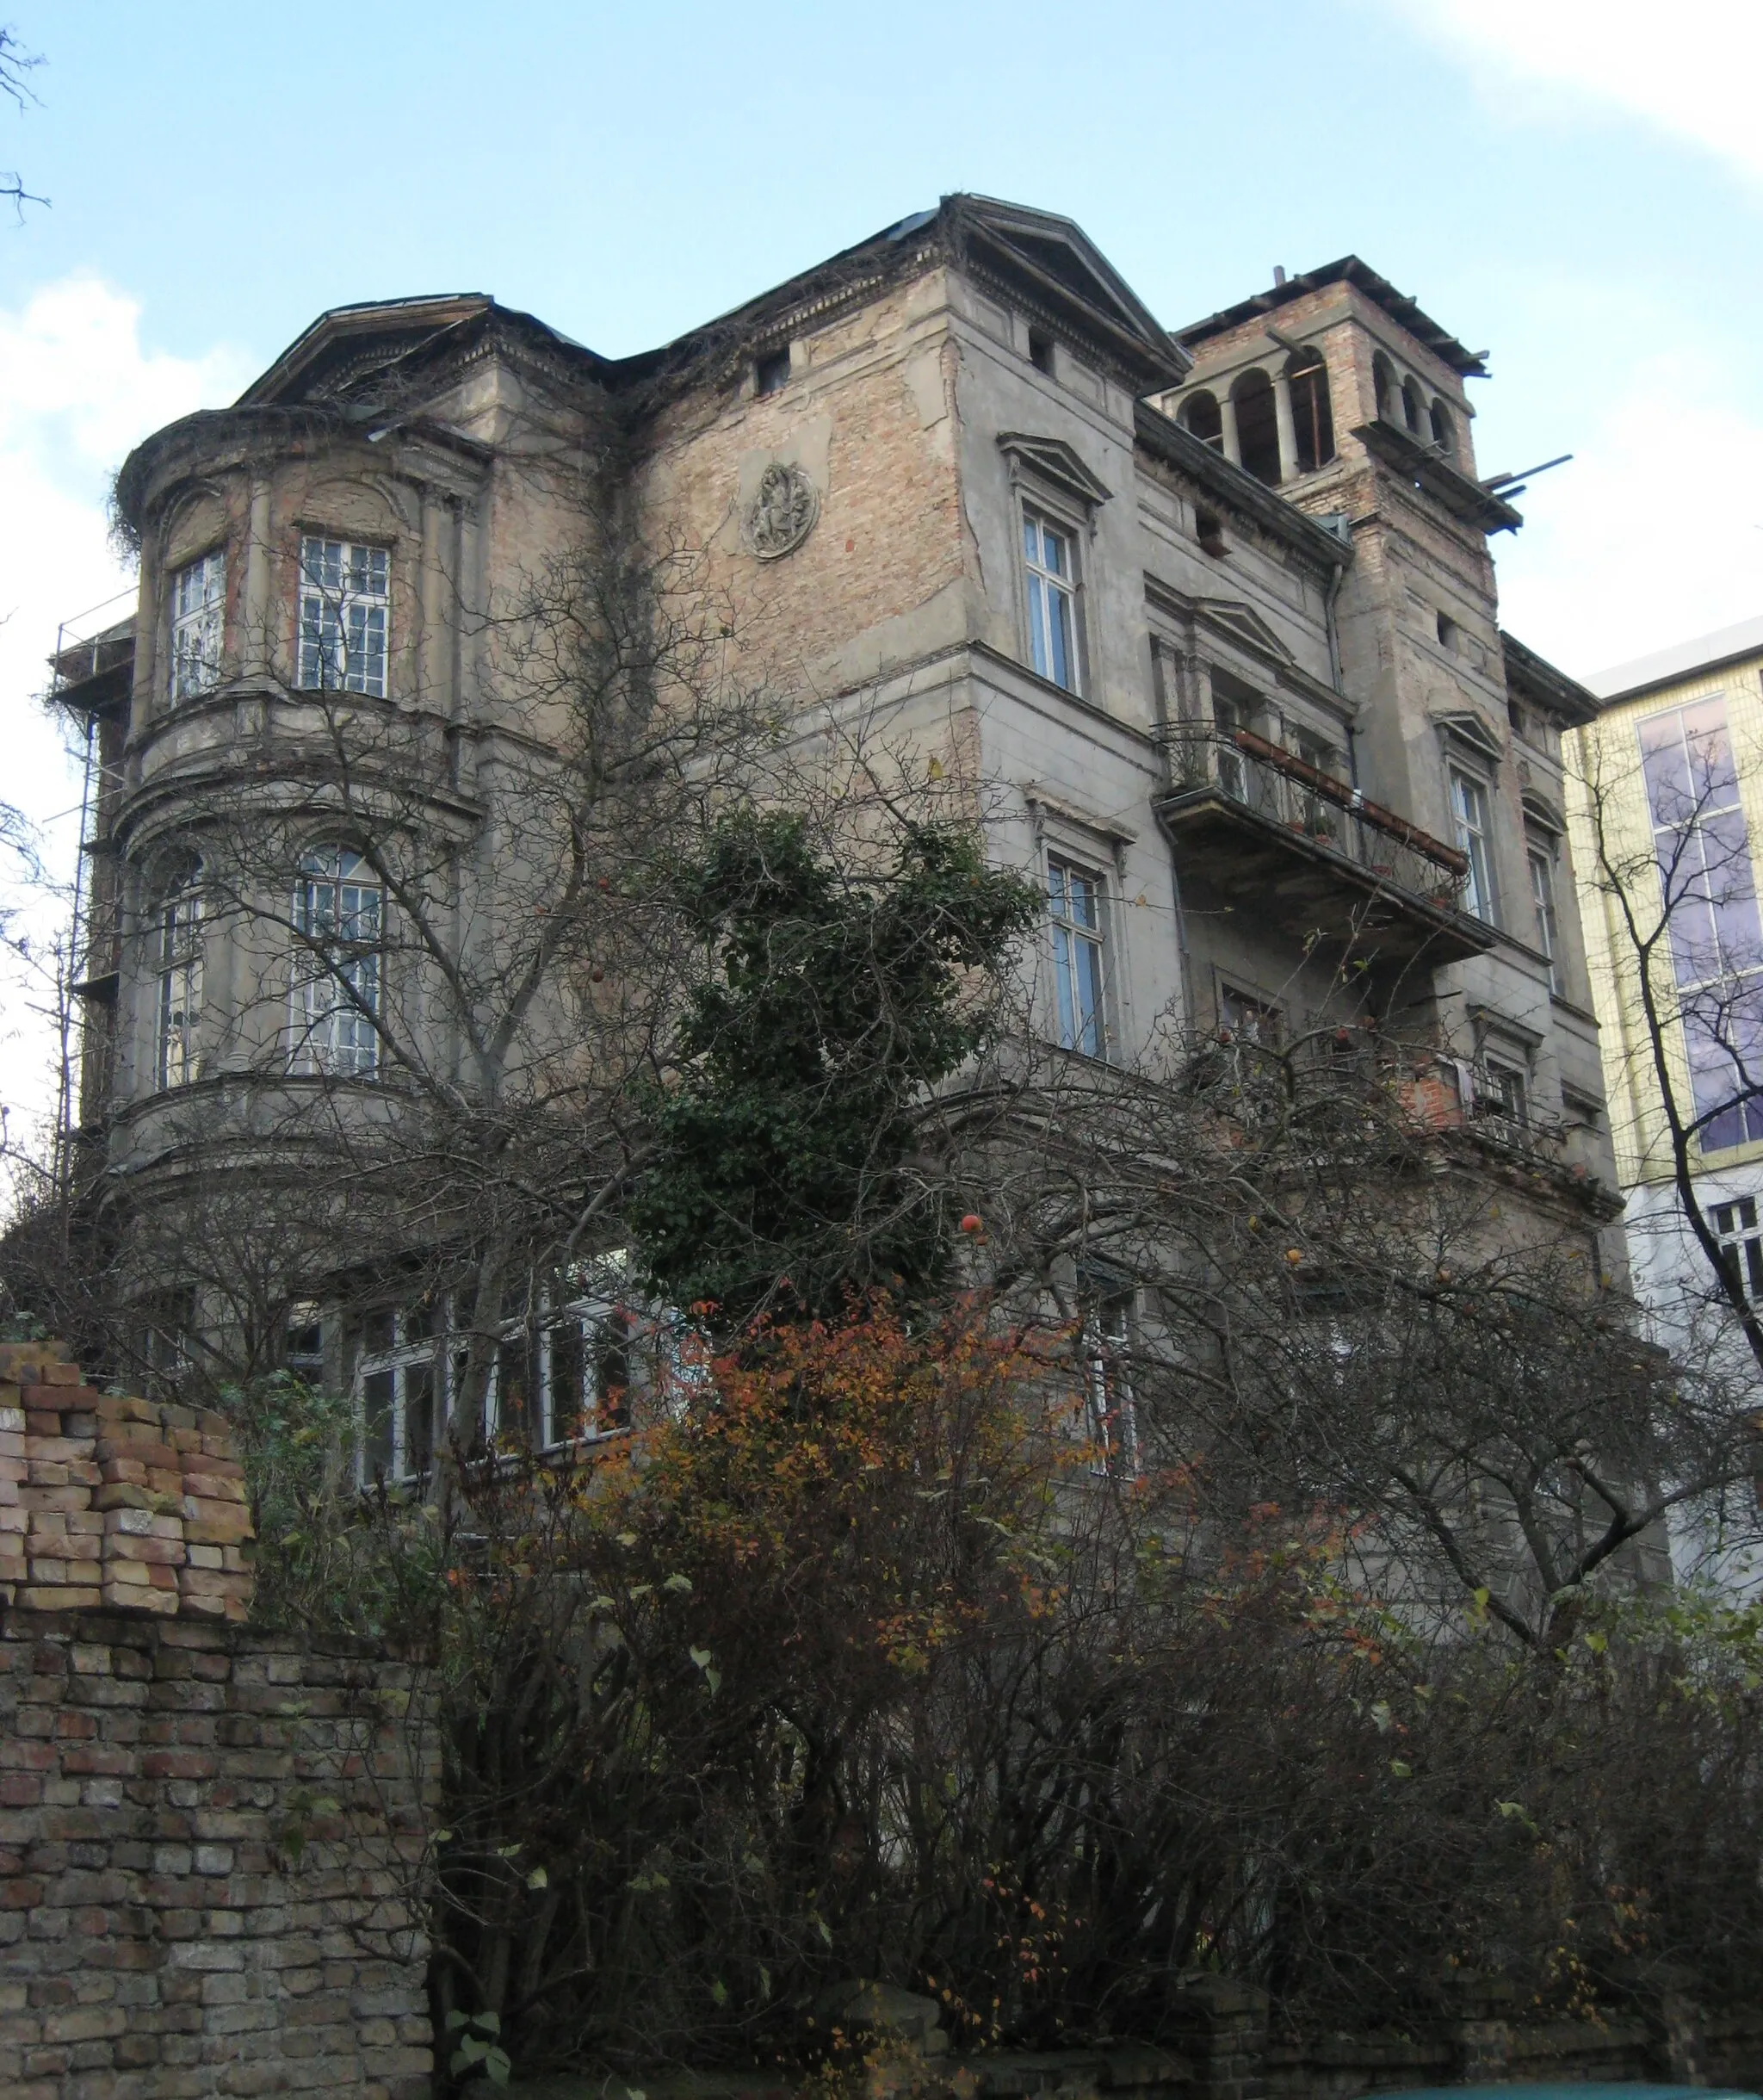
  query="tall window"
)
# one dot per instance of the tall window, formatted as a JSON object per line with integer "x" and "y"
{"x": 1050, "y": 555}
{"x": 1201, "y": 414}
{"x": 1075, "y": 903}
{"x": 1312, "y": 416}
{"x": 1735, "y": 1226}
{"x": 1468, "y": 809}
{"x": 178, "y": 935}
{"x": 1257, "y": 425}
{"x": 338, "y": 915}
{"x": 198, "y": 612}
{"x": 345, "y": 612}
{"x": 1543, "y": 897}
{"x": 397, "y": 1390}
{"x": 1107, "y": 1338}
{"x": 1707, "y": 892}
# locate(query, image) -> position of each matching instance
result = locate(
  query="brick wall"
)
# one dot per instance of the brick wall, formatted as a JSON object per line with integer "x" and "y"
{"x": 210, "y": 1833}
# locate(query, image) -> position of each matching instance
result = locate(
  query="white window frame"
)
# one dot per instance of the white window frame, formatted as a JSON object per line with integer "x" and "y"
{"x": 1080, "y": 950}
{"x": 1540, "y": 855}
{"x": 177, "y": 1000}
{"x": 407, "y": 1353}
{"x": 343, "y": 636}
{"x": 1109, "y": 1318}
{"x": 1044, "y": 587}
{"x": 1735, "y": 1225}
{"x": 339, "y": 976}
{"x": 1475, "y": 840}
{"x": 198, "y": 624}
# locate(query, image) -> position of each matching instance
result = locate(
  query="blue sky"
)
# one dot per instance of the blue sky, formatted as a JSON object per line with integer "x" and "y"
{"x": 1574, "y": 184}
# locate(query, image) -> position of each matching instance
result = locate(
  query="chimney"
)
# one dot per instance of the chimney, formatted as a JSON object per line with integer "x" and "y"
{"x": 1278, "y": 275}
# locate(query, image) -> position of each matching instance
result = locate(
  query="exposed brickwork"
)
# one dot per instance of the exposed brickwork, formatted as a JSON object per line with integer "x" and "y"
{"x": 209, "y": 1834}
{"x": 112, "y": 1501}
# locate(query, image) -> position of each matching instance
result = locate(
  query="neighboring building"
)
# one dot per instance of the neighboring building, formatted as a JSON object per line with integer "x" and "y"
{"x": 1214, "y": 614}
{"x": 1670, "y": 773}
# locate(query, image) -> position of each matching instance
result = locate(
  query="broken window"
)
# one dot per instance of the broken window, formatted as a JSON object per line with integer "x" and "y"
{"x": 179, "y": 966}
{"x": 1257, "y": 426}
{"x": 771, "y": 372}
{"x": 1413, "y": 409}
{"x": 1313, "y": 418}
{"x": 1447, "y": 631}
{"x": 1444, "y": 429}
{"x": 1208, "y": 530}
{"x": 1050, "y": 563}
{"x": 1201, "y": 414}
{"x": 198, "y": 610}
{"x": 1384, "y": 379}
{"x": 344, "y": 613}
{"x": 1041, "y": 352}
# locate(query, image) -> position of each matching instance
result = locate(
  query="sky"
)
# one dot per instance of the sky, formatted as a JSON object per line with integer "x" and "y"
{"x": 1575, "y": 184}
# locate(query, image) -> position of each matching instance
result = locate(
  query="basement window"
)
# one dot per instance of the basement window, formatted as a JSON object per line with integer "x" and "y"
{"x": 772, "y": 373}
{"x": 1041, "y": 352}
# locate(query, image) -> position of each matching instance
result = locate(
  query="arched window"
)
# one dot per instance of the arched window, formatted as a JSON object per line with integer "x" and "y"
{"x": 178, "y": 936}
{"x": 1313, "y": 418}
{"x": 1413, "y": 409}
{"x": 1257, "y": 425}
{"x": 1388, "y": 393}
{"x": 1201, "y": 414}
{"x": 338, "y": 915}
{"x": 1444, "y": 429}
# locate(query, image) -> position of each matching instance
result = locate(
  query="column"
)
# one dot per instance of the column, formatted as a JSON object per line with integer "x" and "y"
{"x": 1288, "y": 429}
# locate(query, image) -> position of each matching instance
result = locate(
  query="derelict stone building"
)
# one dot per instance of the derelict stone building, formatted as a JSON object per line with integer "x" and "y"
{"x": 1212, "y": 613}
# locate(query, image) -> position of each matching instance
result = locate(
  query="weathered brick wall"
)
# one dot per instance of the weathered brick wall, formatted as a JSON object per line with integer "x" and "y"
{"x": 210, "y": 1833}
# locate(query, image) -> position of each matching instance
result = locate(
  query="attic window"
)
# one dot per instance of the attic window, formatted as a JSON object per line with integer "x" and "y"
{"x": 1208, "y": 530}
{"x": 1041, "y": 352}
{"x": 771, "y": 372}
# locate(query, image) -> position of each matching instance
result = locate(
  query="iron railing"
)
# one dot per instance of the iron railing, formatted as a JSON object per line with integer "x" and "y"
{"x": 1327, "y": 812}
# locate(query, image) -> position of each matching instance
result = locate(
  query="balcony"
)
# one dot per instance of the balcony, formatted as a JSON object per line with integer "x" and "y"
{"x": 1312, "y": 853}
{"x": 93, "y": 665}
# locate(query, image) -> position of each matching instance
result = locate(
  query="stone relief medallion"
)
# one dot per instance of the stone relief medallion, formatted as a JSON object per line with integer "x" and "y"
{"x": 781, "y": 516}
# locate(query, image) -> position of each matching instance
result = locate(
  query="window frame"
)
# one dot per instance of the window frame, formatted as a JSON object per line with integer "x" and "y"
{"x": 1107, "y": 1329}
{"x": 205, "y": 619}
{"x": 179, "y": 934}
{"x": 1541, "y": 855}
{"x": 1035, "y": 515}
{"x": 406, "y": 1352}
{"x": 1477, "y": 844}
{"x": 1068, "y": 937}
{"x": 1737, "y": 1231}
{"x": 316, "y": 1048}
{"x": 343, "y": 599}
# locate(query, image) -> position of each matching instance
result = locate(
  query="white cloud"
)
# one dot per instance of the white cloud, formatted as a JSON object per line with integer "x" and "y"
{"x": 1690, "y": 71}
{"x": 1654, "y": 534}
{"x": 77, "y": 390}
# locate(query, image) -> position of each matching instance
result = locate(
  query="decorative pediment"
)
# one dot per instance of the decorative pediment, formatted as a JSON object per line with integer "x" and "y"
{"x": 1540, "y": 811}
{"x": 1469, "y": 728}
{"x": 1241, "y": 623}
{"x": 1052, "y": 460}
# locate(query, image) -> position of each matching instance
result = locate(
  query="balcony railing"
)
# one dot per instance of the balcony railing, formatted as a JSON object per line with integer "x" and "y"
{"x": 93, "y": 644}
{"x": 1285, "y": 791}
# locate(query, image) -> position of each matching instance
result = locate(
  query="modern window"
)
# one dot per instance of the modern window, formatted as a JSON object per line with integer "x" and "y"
{"x": 1735, "y": 1227}
{"x": 345, "y": 615}
{"x": 1543, "y": 898}
{"x": 1312, "y": 416}
{"x": 1049, "y": 554}
{"x": 1075, "y": 906}
{"x": 1708, "y": 893}
{"x": 338, "y": 916}
{"x": 198, "y": 616}
{"x": 397, "y": 1394}
{"x": 178, "y": 936}
{"x": 1107, "y": 1342}
{"x": 1468, "y": 809}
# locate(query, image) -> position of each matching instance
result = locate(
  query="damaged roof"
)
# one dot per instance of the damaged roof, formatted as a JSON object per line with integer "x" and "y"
{"x": 1346, "y": 270}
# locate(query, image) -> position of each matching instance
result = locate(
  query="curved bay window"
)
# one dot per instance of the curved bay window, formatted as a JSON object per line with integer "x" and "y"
{"x": 1312, "y": 415}
{"x": 177, "y": 937}
{"x": 338, "y": 917}
{"x": 198, "y": 610}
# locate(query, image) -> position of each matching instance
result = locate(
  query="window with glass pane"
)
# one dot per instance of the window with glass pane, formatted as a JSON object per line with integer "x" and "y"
{"x": 1469, "y": 807}
{"x": 1735, "y": 1227}
{"x": 1075, "y": 903}
{"x": 397, "y": 1390}
{"x": 1723, "y": 1036}
{"x": 179, "y": 937}
{"x": 1050, "y": 555}
{"x": 337, "y": 916}
{"x": 1108, "y": 1333}
{"x": 344, "y": 615}
{"x": 198, "y": 615}
{"x": 1543, "y": 896}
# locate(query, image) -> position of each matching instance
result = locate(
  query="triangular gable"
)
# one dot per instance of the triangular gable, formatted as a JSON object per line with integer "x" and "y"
{"x": 1242, "y": 624}
{"x": 1054, "y": 460}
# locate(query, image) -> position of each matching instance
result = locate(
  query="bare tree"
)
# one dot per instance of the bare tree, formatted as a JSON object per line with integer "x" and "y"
{"x": 17, "y": 65}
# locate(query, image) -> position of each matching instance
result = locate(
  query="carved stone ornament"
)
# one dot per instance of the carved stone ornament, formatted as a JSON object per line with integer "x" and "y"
{"x": 782, "y": 514}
